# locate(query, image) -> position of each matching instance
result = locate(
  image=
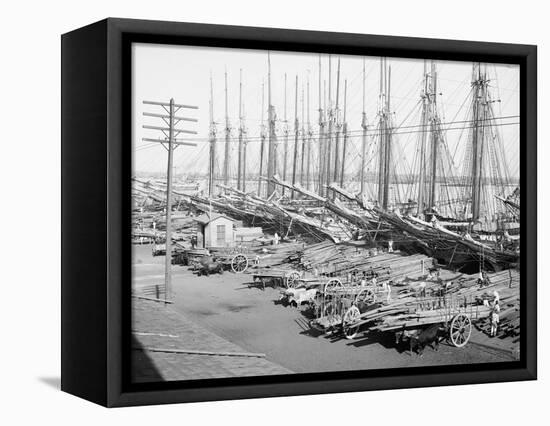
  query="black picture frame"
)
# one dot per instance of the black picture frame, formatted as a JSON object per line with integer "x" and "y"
{"x": 96, "y": 119}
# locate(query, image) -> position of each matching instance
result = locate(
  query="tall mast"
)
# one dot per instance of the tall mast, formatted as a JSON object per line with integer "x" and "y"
{"x": 262, "y": 145}
{"x": 212, "y": 138}
{"x": 240, "y": 155}
{"x": 388, "y": 141}
{"x": 303, "y": 131}
{"x": 330, "y": 126}
{"x": 321, "y": 144}
{"x": 309, "y": 140}
{"x": 272, "y": 152}
{"x": 245, "y": 144}
{"x": 478, "y": 136}
{"x": 337, "y": 127}
{"x": 296, "y": 135}
{"x": 345, "y": 136}
{"x": 227, "y": 138}
{"x": 382, "y": 133}
{"x": 423, "y": 141}
{"x": 385, "y": 135}
{"x": 364, "y": 137}
{"x": 434, "y": 136}
{"x": 285, "y": 132}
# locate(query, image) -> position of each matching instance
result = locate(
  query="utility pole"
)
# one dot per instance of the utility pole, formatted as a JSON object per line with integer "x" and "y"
{"x": 170, "y": 143}
{"x": 345, "y": 136}
{"x": 227, "y": 138}
{"x": 364, "y": 126}
{"x": 240, "y": 150}
{"x": 262, "y": 146}
{"x": 212, "y": 139}
{"x": 296, "y": 136}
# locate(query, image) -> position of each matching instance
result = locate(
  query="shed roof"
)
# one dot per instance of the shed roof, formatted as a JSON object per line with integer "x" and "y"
{"x": 206, "y": 218}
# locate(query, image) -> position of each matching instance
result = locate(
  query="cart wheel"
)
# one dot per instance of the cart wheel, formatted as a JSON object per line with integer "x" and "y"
{"x": 460, "y": 330}
{"x": 239, "y": 263}
{"x": 332, "y": 284}
{"x": 350, "y": 317}
{"x": 292, "y": 279}
{"x": 365, "y": 296}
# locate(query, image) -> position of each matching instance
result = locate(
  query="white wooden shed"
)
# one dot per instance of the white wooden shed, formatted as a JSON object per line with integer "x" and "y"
{"x": 214, "y": 230}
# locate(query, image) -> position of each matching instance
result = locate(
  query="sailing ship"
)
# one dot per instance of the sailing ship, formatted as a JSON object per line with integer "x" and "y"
{"x": 465, "y": 216}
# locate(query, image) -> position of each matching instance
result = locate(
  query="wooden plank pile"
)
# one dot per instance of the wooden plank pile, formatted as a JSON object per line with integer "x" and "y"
{"x": 339, "y": 259}
{"x": 276, "y": 255}
{"x": 463, "y": 295}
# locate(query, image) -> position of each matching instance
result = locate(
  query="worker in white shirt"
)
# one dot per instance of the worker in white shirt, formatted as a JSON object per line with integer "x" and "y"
{"x": 495, "y": 310}
{"x": 386, "y": 286}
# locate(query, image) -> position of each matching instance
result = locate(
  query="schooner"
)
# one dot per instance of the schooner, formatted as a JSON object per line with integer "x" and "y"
{"x": 461, "y": 211}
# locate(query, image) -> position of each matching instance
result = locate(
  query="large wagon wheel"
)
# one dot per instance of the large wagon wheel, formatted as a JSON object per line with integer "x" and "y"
{"x": 366, "y": 296}
{"x": 331, "y": 285}
{"x": 351, "y": 317}
{"x": 460, "y": 330}
{"x": 239, "y": 263}
{"x": 292, "y": 279}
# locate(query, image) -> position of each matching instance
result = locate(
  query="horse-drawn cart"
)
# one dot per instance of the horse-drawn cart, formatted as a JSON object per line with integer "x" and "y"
{"x": 409, "y": 317}
{"x": 277, "y": 277}
{"x": 336, "y": 299}
{"x": 352, "y": 309}
{"x": 233, "y": 259}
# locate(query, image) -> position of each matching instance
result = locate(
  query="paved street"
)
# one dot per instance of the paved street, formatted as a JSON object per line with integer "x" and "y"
{"x": 158, "y": 326}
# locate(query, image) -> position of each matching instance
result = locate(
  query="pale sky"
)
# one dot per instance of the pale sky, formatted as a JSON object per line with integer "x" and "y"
{"x": 161, "y": 72}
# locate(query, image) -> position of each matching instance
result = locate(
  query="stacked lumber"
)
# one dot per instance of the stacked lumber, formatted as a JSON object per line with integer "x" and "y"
{"x": 277, "y": 255}
{"x": 339, "y": 259}
{"x": 464, "y": 295}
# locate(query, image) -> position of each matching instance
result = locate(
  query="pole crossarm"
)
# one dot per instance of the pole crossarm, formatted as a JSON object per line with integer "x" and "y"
{"x": 175, "y": 141}
{"x": 167, "y": 104}
{"x": 167, "y": 129}
{"x": 150, "y": 114}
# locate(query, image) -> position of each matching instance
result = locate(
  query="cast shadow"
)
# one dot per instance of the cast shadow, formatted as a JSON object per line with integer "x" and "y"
{"x": 53, "y": 382}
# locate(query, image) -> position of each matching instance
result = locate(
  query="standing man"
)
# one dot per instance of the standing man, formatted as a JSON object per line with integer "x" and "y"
{"x": 387, "y": 288}
{"x": 495, "y": 318}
